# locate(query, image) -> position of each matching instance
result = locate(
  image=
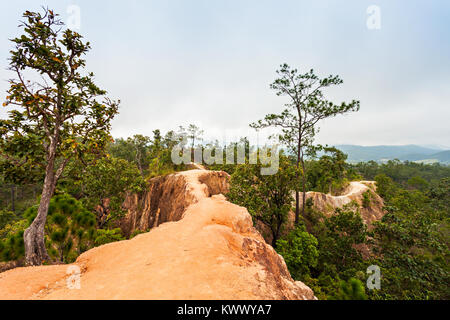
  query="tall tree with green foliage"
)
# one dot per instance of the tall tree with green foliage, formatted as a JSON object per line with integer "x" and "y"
{"x": 299, "y": 250}
{"x": 59, "y": 116}
{"x": 268, "y": 198}
{"x": 69, "y": 231}
{"x": 298, "y": 121}
{"x": 353, "y": 289}
{"x": 70, "y": 227}
{"x": 194, "y": 134}
{"x": 339, "y": 236}
{"x": 327, "y": 174}
{"x": 103, "y": 186}
{"x": 134, "y": 149}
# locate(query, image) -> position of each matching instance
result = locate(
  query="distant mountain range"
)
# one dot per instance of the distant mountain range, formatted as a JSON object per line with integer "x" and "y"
{"x": 384, "y": 153}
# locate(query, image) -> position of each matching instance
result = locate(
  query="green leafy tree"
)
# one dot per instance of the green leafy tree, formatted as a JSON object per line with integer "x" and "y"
{"x": 69, "y": 231}
{"x": 6, "y": 217}
{"x": 60, "y": 116}
{"x": 105, "y": 236}
{"x": 328, "y": 174}
{"x": 241, "y": 150}
{"x": 152, "y": 156}
{"x": 12, "y": 247}
{"x": 385, "y": 186}
{"x": 298, "y": 121}
{"x": 367, "y": 199}
{"x": 134, "y": 149}
{"x": 194, "y": 133}
{"x": 299, "y": 250}
{"x": 353, "y": 289}
{"x": 338, "y": 235}
{"x": 70, "y": 227}
{"x": 160, "y": 154}
{"x": 418, "y": 183}
{"x": 268, "y": 198}
{"x": 106, "y": 184}
{"x": 439, "y": 192}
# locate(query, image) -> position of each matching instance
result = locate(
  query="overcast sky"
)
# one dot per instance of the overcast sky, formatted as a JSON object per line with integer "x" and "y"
{"x": 210, "y": 62}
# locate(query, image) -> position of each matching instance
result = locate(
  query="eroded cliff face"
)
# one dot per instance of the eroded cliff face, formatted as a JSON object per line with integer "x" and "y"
{"x": 206, "y": 249}
{"x": 168, "y": 197}
{"x": 327, "y": 204}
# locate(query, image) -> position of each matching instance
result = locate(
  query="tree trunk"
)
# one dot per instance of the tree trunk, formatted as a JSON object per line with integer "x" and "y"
{"x": 297, "y": 205}
{"x": 35, "y": 251}
{"x": 274, "y": 238}
{"x": 274, "y": 241}
{"x": 276, "y": 233}
{"x": 102, "y": 219}
{"x": 303, "y": 186}
{"x": 138, "y": 161}
{"x": 297, "y": 196}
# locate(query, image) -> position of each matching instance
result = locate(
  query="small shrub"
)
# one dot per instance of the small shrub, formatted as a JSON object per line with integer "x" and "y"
{"x": 107, "y": 236}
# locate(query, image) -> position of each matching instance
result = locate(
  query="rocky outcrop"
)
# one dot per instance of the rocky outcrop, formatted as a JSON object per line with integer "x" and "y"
{"x": 327, "y": 204}
{"x": 206, "y": 249}
{"x": 167, "y": 198}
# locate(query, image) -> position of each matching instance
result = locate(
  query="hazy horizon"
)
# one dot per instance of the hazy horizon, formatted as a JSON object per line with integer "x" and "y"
{"x": 211, "y": 62}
